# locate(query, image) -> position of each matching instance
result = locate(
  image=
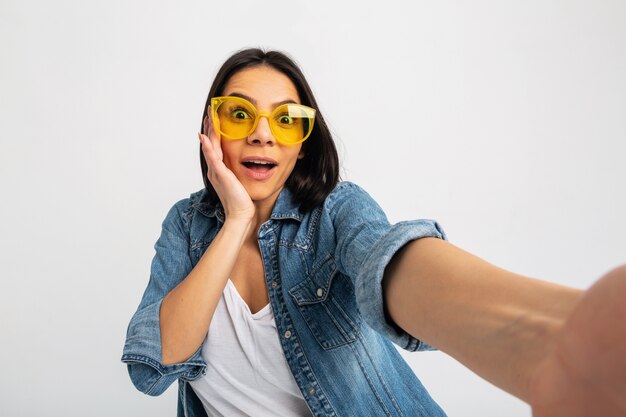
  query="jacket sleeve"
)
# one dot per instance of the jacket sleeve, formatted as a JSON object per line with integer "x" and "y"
{"x": 365, "y": 243}
{"x": 142, "y": 350}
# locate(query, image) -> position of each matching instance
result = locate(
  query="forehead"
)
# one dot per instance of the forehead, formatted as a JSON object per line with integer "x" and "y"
{"x": 263, "y": 84}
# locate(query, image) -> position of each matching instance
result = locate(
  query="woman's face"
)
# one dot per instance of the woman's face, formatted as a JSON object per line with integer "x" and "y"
{"x": 266, "y": 88}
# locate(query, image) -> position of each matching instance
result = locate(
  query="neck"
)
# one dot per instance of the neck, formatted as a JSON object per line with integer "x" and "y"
{"x": 263, "y": 211}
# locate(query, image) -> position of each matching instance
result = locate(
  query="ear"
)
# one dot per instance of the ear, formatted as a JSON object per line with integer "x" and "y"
{"x": 301, "y": 154}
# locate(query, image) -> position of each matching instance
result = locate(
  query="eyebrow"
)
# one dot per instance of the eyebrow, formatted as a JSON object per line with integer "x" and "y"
{"x": 253, "y": 101}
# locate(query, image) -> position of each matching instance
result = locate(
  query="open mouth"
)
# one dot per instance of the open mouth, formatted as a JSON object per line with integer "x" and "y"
{"x": 259, "y": 165}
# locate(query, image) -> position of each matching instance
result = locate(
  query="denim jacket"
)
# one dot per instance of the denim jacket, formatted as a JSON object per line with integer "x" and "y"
{"x": 323, "y": 271}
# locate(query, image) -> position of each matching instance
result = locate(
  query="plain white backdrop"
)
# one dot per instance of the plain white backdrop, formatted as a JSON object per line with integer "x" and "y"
{"x": 504, "y": 120}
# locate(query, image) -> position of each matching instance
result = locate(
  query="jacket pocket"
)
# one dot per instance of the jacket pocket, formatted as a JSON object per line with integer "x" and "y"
{"x": 327, "y": 303}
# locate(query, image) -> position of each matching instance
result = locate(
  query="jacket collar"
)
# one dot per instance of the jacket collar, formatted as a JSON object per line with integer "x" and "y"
{"x": 284, "y": 208}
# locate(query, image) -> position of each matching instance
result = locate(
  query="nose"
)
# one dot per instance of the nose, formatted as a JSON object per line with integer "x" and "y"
{"x": 262, "y": 134}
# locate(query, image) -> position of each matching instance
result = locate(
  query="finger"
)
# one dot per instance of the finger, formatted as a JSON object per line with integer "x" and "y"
{"x": 208, "y": 149}
{"x": 213, "y": 145}
{"x": 209, "y": 156}
{"x": 215, "y": 165}
{"x": 211, "y": 125}
{"x": 205, "y": 142}
{"x": 216, "y": 139}
{"x": 212, "y": 160}
{"x": 206, "y": 123}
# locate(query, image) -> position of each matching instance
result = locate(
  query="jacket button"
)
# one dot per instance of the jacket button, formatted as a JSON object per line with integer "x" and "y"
{"x": 274, "y": 284}
{"x": 287, "y": 334}
{"x": 320, "y": 292}
{"x": 311, "y": 391}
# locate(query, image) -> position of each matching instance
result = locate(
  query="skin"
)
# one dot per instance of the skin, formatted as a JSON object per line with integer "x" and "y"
{"x": 560, "y": 349}
{"x": 585, "y": 373}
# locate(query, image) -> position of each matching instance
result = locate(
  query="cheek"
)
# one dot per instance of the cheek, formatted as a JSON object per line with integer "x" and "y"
{"x": 298, "y": 153}
{"x": 229, "y": 155}
{"x": 293, "y": 160}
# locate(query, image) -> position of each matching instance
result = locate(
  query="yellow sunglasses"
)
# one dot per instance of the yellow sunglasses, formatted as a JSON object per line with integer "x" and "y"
{"x": 290, "y": 123}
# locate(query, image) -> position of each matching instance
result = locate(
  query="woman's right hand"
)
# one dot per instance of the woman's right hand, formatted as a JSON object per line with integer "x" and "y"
{"x": 234, "y": 197}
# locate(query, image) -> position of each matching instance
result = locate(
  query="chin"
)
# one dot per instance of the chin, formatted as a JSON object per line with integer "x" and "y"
{"x": 260, "y": 192}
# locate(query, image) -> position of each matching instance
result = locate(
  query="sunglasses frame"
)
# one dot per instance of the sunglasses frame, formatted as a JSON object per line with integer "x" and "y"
{"x": 216, "y": 102}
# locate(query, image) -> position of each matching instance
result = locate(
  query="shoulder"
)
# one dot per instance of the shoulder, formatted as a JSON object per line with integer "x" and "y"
{"x": 349, "y": 194}
{"x": 183, "y": 210}
{"x": 349, "y": 204}
{"x": 346, "y": 189}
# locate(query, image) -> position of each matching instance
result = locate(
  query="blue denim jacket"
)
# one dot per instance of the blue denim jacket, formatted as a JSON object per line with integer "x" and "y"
{"x": 323, "y": 271}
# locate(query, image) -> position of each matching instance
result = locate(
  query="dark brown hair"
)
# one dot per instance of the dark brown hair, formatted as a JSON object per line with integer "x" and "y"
{"x": 316, "y": 174}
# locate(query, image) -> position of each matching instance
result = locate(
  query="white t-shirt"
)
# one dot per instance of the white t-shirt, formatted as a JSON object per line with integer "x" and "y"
{"x": 247, "y": 374}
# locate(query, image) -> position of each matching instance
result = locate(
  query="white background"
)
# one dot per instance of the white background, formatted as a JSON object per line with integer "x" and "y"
{"x": 504, "y": 120}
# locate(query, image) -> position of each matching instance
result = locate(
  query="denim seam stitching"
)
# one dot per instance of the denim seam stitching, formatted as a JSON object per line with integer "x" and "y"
{"x": 369, "y": 380}
{"x": 346, "y": 337}
{"x": 352, "y": 324}
{"x": 150, "y": 362}
{"x": 384, "y": 384}
{"x": 323, "y": 399}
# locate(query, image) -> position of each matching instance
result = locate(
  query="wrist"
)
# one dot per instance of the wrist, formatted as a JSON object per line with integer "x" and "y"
{"x": 238, "y": 224}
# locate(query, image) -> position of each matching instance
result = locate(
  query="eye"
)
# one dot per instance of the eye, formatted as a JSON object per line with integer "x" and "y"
{"x": 285, "y": 119}
{"x": 240, "y": 113}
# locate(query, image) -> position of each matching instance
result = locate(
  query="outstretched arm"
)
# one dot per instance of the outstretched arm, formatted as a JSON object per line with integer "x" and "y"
{"x": 503, "y": 326}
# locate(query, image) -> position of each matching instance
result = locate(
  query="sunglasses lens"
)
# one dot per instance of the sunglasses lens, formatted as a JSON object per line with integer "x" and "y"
{"x": 292, "y": 123}
{"x": 236, "y": 118}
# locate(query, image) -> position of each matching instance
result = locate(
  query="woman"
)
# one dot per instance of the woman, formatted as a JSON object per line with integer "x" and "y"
{"x": 266, "y": 285}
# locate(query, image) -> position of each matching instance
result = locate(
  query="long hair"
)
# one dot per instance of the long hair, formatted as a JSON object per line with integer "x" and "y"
{"x": 316, "y": 174}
